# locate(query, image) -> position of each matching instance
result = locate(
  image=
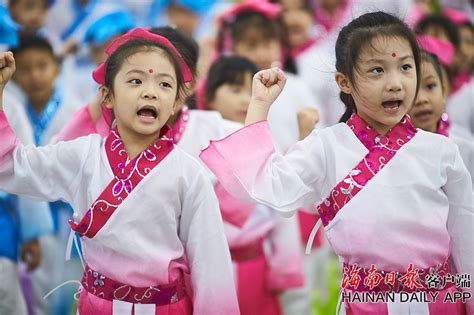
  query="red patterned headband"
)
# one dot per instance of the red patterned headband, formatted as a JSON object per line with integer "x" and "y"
{"x": 140, "y": 33}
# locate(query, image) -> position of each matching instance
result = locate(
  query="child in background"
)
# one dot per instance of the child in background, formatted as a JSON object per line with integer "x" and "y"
{"x": 45, "y": 106}
{"x": 158, "y": 248}
{"x": 441, "y": 27}
{"x": 459, "y": 105}
{"x": 392, "y": 199}
{"x": 101, "y": 31}
{"x": 299, "y": 29}
{"x": 428, "y": 109}
{"x": 251, "y": 30}
{"x": 32, "y": 17}
{"x": 22, "y": 220}
{"x": 265, "y": 250}
{"x": 20, "y": 227}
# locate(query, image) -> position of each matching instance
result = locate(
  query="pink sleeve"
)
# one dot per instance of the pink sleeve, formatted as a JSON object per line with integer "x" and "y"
{"x": 103, "y": 124}
{"x": 233, "y": 211}
{"x": 79, "y": 125}
{"x": 8, "y": 140}
{"x": 235, "y": 173}
{"x": 285, "y": 264}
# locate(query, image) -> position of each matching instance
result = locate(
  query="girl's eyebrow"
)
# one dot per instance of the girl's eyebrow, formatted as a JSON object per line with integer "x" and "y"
{"x": 158, "y": 74}
{"x": 375, "y": 60}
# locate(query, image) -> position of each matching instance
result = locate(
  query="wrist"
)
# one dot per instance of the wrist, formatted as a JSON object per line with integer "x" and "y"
{"x": 259, "y": 104}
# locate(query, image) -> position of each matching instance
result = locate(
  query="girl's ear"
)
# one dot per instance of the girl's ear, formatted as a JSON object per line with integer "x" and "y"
{"x": 343, "y": 82}
{"x": 105, "y": 96}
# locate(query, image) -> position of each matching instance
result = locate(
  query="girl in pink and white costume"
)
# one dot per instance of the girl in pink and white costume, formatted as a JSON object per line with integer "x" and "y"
{"x": 377, "y": 159}
{"x": 245, "y": 225}
{"x": 251, "y": 30}
{"x": 264, "y": 247}
{"x": 138, "y": 257}
{"x": 427, "y": 112}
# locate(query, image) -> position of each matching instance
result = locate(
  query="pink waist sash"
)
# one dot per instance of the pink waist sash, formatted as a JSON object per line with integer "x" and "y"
{"x": 109, "y": 289}
{"x": 249, "y": 252}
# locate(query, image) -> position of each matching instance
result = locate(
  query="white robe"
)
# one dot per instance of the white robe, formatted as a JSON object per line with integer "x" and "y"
{"x": 418, "y": 209}
{"x": 460, "y": 107}
{"x": 171, "y": 221}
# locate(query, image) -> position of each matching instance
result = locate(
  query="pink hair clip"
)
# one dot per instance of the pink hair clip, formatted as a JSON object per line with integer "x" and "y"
{"x": 269, "y": 10}
{"x": 442, "y": 49}
{"x": 140, "y": 33}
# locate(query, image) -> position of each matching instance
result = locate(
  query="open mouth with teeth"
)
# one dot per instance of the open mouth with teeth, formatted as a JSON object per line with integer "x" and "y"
{"x": 392, "y": 106}
{"x": 147, "y": 112}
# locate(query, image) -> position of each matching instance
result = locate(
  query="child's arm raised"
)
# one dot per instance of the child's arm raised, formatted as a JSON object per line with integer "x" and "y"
{"x": 266, "y": 86}
{"x": 48, "y": 173}
{"x": 248, "y": 167}
{"x": 7, "y": 68}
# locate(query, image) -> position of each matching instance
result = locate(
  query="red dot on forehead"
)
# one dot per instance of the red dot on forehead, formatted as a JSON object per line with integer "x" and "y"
{"x": 394, "y": 55}
{"x": 150, "y": 70}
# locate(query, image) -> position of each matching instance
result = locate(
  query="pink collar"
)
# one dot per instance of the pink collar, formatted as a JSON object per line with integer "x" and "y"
{"x": 127, "y": 175}
{"x": 400, "y": 133}
{"x": 381, "y": 151}
{"x": 443, "y": 125}
{"x": 176, "y": 132}
{"x": 121, "y": 166}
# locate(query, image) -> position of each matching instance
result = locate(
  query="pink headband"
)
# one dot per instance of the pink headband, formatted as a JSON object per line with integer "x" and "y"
{"x": 442, "y": 49}
{"x": 456, "y": 16}
{"x": 269, "y": 10}
{"x": 140, "y": 33}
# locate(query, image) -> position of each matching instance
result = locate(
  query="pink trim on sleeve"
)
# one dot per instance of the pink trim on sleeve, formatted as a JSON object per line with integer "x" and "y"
{"x": 228, "y": 158}
{"x": 233, "y": 211}
{"x": 8, "y": 138}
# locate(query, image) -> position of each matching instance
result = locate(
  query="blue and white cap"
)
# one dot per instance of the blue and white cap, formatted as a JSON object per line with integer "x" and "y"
{"x": 107, "y": 26}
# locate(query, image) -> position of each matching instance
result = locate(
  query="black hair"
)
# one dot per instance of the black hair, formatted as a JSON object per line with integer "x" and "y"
{"x": 28, "y": 40}
{"x": 439, "y": 21}
{"x": 227, "y": 70}
{"x": 244, "y": 21}
{"x": 360, "y": 31}
{"x": 184, "y": 44}
{"x": 131, "y": 47}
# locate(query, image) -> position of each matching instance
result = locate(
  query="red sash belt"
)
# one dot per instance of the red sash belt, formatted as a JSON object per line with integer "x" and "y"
{"x": 249, "y": 252}
{"x": 109, "y": 289}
